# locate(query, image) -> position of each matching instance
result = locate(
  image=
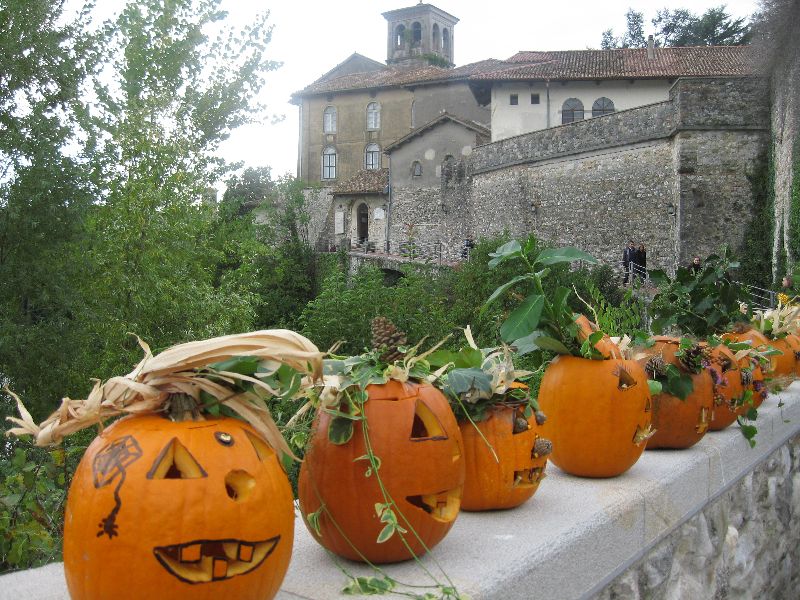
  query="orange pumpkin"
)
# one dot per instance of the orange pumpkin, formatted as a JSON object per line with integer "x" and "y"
{"x": 598, "y": 414}
{"x": 513, "y": 477}
{"x": 196, "y": 509}
{"x": 785, "y": 363}
{"x": 756, "y": 383}
{"x": 413, "y": 432}
{"x": 604, "y": 346}
{"x": 728, "y": 388}
{"x": 679, "y": 423}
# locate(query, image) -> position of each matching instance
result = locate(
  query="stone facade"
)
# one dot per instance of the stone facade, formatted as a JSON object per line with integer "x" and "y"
{"x": 742, "y": 545}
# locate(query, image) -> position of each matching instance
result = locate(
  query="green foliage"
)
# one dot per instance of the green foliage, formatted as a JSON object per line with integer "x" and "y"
{"x": 33, "y": 491}
{"x": 681, "y": 27}
{"x": 545, "y": 320}
{"x": 619, "y": 320}
{"x": 699, "y": 305}
{"x": 756, "y": 251}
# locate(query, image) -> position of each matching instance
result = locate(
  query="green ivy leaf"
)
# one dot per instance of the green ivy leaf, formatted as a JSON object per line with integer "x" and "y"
{"x": 461, "y": 381}
{"x": 340, "y": 430}
{"x": 243, "y": 365}
{"x": 655, "y": 387}
{"x": 369, "y": 586}
{"x": 508, "y": 284}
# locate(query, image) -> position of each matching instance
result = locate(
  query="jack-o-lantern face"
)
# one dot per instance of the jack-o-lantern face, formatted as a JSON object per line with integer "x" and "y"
{"x": 178, "y": 510}
{"x": 415, "y": 435}
{"x": 511, "y": 478}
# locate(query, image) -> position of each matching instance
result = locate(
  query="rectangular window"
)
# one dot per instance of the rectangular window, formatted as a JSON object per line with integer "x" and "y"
{"x": 514, "y": 99}
{"x": 329, "y": 166}
{"x": 534, "y": 98}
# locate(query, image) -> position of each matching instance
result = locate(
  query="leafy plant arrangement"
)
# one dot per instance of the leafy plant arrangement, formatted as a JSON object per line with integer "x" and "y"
{"x": 355, "y": 426}
{"x": 676, "y": 380}
{"x": 477, "y": 378}
{"x": 778, "y": 322}
{"x": 699, "y": 305}
{"x": 541, "y": 322}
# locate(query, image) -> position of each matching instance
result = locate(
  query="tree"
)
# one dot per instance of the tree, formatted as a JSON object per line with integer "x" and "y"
{"x": 681, "y": 27}
{"x": 44, "y": 198}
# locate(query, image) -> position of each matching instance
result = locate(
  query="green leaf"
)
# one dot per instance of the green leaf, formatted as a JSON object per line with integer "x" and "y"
{"x": 552, "y": 256}
{"x": 469, "y": 358}
{"x": 502, "y": 289}
{"x": 440, "y": 358}
{"x": 548, "y": 343}
{"x": 313, "y": 520}
{"x": 461, "y": 381}
{"x": 679, "y": 385}
{"x": 340, "y": 430}
{"x": 386, "y": 533}
{"x": 655, "y": 387}
{"x": 369, "y": 586}
{"x": 505, "y": 252}
{"x": 527, "y": 344}
{"x": 244, "y": 365}
{"x": 523, "y": 320}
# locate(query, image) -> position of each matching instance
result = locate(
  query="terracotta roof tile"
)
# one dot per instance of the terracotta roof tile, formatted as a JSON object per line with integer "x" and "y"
{"x": 624, "y": 63}
{"x": 394, "y": 76}
{"x": 365, "y": 181}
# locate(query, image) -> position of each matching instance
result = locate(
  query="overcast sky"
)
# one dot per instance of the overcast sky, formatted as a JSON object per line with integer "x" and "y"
{"x": 311, "y": 37}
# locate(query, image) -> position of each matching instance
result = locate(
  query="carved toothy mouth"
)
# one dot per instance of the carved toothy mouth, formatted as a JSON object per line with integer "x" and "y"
{"x": 528, "y": 477}
{"x": 202, "y": 561}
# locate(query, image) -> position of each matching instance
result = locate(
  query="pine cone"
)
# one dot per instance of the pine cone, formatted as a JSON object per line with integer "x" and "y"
{"x": 656, "y": 366}
{"x": 542, "y": 447}
{"x": 386, "y": 338}
{"x": 540, "y": 417}
{"x": 747, "y": 377}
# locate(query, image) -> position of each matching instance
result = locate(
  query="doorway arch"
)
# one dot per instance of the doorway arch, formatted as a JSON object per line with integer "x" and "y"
{"x": 362, "y": 222}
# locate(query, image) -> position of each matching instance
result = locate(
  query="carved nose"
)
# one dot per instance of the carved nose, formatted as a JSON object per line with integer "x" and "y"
{"x": 239, "y": 485}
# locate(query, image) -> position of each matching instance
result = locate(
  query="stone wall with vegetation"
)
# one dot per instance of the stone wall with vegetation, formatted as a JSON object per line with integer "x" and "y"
{"x": 742, "y": 545}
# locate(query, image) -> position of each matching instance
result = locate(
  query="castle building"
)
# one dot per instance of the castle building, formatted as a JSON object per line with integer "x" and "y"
{"x": 419, "y": 153}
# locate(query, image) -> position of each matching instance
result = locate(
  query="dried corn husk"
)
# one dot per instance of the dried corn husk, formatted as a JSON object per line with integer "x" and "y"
{"x": 183, "y": 369}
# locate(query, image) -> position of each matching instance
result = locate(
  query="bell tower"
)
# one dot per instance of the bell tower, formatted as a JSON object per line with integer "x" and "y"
{"x": 420, "y": 35}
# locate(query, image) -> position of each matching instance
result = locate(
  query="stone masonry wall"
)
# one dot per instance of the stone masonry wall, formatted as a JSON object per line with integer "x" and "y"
{"x": 741, "y": 546}
{"x": 596, "y": 201}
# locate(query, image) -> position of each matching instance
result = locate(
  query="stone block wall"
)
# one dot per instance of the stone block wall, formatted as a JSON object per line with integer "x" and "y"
{"x": 742, "y": 545}
{"x": 596, "y": 201}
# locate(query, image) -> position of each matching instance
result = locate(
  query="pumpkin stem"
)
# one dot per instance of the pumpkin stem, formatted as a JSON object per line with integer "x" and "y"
{"x": 183, "y": 407}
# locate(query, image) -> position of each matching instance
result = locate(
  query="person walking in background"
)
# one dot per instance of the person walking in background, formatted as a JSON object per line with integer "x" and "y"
{"x": 640, "y": 262}
{"x": 628, "y": 255}
{"x": 696, "y": 266}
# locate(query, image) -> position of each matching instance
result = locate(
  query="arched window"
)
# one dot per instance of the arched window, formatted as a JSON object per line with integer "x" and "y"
{"x": 436, "y": 39}
{"x": 400, "y": 36}
{"x": 416, "y": 33}
{"x": 329, "y": 120}
{"x": 372, "y": 157}
{"x": 416, "y": 169}
{"x": 446, "y": 41}
{"x": 571, "y": 110}
{"x": 602, "y": 106}
{"x": 373, "y": 115}
{"x": 329, "y": 163}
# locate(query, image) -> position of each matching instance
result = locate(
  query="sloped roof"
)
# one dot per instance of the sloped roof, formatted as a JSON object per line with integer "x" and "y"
{"x": 355, "y": 63}
{"x": 393, "y": 77}
{"x": 365, "y": 181}
{"x": 623, "y": 63}
{"x": 472, "y": 125}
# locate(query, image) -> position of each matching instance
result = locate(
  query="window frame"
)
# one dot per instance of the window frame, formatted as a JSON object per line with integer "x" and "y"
{"x": 329, "y": 163}
{"x": 600, "y": 107}
{"x": 416, "y": 169}
{"x": 372, "y": 156}
{"x": 329, "y": 119}
{"x": 572, "y": 110}
{"x": 513, "y": 99}
{"x": 536, "y": 97}
{"x": 376, "y": 116}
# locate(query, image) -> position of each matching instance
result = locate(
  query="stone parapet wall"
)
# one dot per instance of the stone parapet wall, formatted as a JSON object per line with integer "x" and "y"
{"x": 744, "y": 544}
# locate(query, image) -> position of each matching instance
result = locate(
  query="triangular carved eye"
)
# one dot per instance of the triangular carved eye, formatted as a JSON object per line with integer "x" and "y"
{"x": 262, "y": 448}
{"x": 176, "y": 462}
{"x": 426, "y": 426}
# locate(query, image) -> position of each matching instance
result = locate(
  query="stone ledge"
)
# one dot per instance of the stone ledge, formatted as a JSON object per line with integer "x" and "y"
{"x": 570, "y": 541}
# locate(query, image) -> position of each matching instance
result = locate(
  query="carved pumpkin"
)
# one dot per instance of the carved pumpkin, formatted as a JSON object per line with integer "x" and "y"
{"x": 413, "y": 432}
{"x": 598, "y": 414}
{"x": 728, "y": 389}
{"x": 196, "y": 509}
{"x": 514, "y": 476}
{"x": 606, "y": 347}
{"x": 679, "y": 423}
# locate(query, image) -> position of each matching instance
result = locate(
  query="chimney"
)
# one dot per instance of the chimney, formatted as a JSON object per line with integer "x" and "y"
{"x": 651, "y": 53}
